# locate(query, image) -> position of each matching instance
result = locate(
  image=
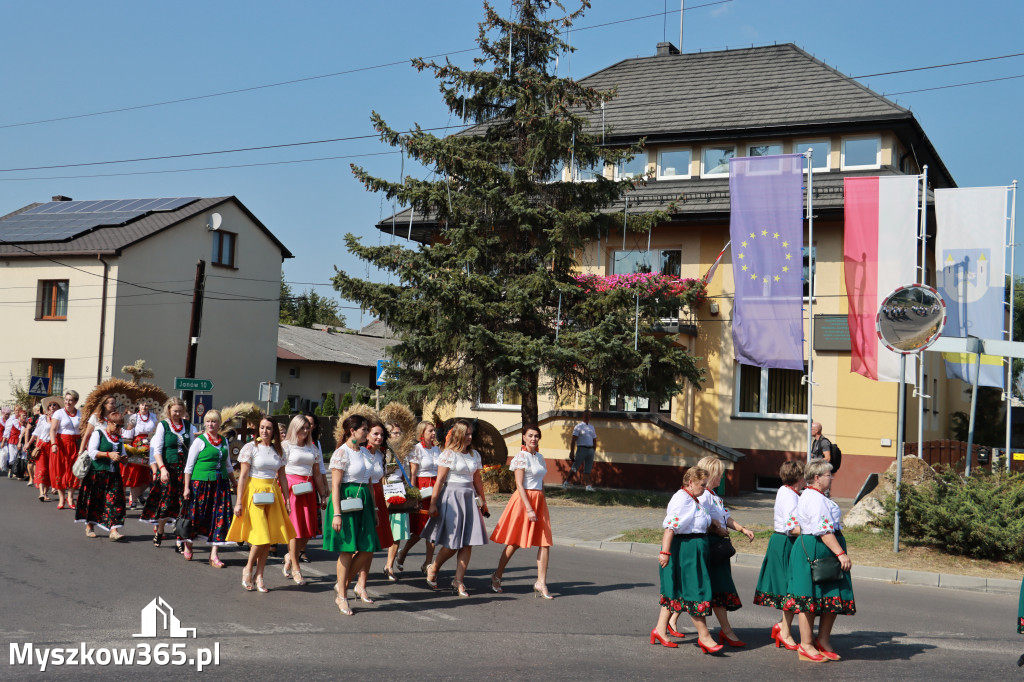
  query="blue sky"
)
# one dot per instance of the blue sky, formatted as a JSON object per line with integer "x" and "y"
{"x": 63, "y": 59}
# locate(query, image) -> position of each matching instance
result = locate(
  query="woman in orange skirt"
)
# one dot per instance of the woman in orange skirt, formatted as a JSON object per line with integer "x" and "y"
{"x": 525, "y": 521}
{"x": 65, "y": 435}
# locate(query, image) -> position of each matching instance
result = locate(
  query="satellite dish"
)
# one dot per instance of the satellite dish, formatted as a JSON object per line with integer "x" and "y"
{"x": 215, "y": 221}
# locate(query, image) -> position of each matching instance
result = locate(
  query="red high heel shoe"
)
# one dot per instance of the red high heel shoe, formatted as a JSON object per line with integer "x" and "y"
{"x": 830, "y": 655}
{"x": 656, "y": 639}
{"x": 779, "y": 643}
{"x": 722, "y": 639}
{"x": 804, "y": 656}
{"x": 775, "y": 630}
{"x": 709, "y": 649}
{"x": 672, "y": 633}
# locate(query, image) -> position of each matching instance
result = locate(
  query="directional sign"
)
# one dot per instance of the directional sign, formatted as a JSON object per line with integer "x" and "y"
{"x": 384, "y": 375}
{"x": 39, "y": 386}
{"x": 186, "y": 384}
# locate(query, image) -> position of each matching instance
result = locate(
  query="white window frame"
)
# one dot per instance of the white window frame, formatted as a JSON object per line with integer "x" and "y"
{"x": 678, "y": 176}
{"x": 800, "y": 146}
{"x": 501, "y": 405}
{"x": 655, "y": 257}
{"x": 860, "y": 138}
{"x": 766, "y": 142}
{"x": 762, "y": 399}
{"x": 617, "y": 168}
{"x": 703, "y": 170}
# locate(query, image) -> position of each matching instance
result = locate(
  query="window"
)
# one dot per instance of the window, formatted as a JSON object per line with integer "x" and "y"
{"x": 589, "y": 173}
{"x": 634, "y": 403}
{"x": 346, "y": 376}
{"x": 493, "y": 396}
{"x": 673, "y": 164}
{"x": 808, "y": 281}
{"x": 767, "y": 149}
{"x": 716, "y": 160}
{"x": 294, "y": 402}
{"x": 224, "y": 248}
{"x": 53, "y": 300}
{"x": 635, "y": 169}
{"x": 770, "y": 393}
{"x": 820, "y": 152}
{"x": 665, "y": 261}
{"x": 861, "y": 152}
{"x": 293, "y": 372}
{"x": 52, "y": 370}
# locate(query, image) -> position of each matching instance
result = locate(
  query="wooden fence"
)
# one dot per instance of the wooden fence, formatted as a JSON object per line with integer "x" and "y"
{"x": 952, "y": 453}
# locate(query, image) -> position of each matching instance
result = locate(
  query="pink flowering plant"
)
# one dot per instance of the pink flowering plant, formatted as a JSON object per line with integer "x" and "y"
{"x": 687, "y": 291}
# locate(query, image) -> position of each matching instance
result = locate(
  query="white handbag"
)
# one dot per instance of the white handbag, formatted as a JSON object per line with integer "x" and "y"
{"x": 426, "y": 492}
{"x": 351, "y": 504}
{"x": 302, "y": 488}
{"x": 263, "y": 498}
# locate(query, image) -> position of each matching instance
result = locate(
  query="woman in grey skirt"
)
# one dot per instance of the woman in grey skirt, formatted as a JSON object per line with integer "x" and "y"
{"x": 456, "y": 523}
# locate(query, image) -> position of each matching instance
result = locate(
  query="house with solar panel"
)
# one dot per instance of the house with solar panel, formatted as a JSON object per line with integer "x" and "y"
{"x": 695, "y": 112}
{"x": 94, "y": 285}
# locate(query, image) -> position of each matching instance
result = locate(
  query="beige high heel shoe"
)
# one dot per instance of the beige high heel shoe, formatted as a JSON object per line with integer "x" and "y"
{"x": 541, "y": 591}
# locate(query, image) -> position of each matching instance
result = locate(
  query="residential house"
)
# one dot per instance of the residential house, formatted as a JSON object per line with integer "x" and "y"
{"x": 96, "y": 285}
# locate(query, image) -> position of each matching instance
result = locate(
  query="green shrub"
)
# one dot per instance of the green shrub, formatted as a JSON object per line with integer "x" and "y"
{"x": 979, "y": 517}
{"x": 286, "y": 407}
{"x": 329, "y": 409}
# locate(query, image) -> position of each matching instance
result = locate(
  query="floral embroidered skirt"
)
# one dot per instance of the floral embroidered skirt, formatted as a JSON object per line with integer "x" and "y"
{"x": 723, "y": 589}
{"x": 1020, "y": 610}
{"x": 262, "y": 524}
{"x": 101, "y": 499}
{"x": 773, "y": 583}
{"x": 685, "y": 581}
{"x": 164, "y": 502}
{"x": 806, "y": 597}
{"x": 209, "y": 509}
{"x": 358, "y": 528}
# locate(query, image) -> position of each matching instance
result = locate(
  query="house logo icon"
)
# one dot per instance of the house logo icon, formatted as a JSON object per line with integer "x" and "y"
{"x": 158, "y": 620}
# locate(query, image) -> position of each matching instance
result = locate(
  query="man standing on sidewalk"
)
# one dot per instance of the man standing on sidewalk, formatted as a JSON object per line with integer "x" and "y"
{"x": 581, "y": 451}
{"x": 821, "y": 447}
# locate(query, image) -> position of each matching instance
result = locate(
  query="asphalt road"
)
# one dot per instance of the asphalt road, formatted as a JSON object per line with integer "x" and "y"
{"x": 60, "y": 589}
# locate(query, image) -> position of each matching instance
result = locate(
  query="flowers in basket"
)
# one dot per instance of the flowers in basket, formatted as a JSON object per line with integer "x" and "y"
{"x": 138, "y": 450}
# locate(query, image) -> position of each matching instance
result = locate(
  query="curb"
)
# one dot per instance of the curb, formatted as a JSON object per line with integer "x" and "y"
{"x": 967, "y": 583}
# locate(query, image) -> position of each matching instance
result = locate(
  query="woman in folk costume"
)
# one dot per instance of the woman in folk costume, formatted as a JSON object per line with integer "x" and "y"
{"x": 65, "y": 436}
{"x": 375, "y": 446}
{"x": 11, "y": 438}
{"x": 423, "y": 472}
{"x": 41, "y": 434}
{"x": 136, "y": 474}
{"x": 168, "y": 449}
{"x": 208, "y": 484}
{"x": 101, "y": 499}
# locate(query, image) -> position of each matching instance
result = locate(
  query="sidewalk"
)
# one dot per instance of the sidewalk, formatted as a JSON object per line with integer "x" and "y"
{"x": 597, "y": 527}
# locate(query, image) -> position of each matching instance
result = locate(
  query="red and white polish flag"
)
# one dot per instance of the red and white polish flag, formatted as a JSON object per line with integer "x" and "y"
{"x": 879, "y": 255}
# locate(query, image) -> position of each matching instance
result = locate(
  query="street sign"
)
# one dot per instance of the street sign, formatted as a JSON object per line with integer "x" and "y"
{"x": 186, "y": 384}
{"x": 203, "y": 403}
{"x": 269, "y": 391}
{"x": 39, "y": 386}
{"x": 382, "y": 372}
{"x": 1018, "y": 457}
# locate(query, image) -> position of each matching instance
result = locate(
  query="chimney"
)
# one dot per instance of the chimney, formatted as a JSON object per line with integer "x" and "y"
{"x": 666, "y": 49}
{"x": 60, "y": 197}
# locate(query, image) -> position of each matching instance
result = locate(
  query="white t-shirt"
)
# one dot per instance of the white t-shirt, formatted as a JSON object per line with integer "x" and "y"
{"x": 713, "y": 503}
{"x": 66, "y": 424}
{"x": 378, "y": 466}
{"x": 786, "y": 501}
{"x": 585, "y": 435}
{"x": 142, "y": 427}
{"x": 301, "y": 458}
{"x": 358, "y": 465}
{"x": 534, "y": 469}
{"x": 684, "y": 515}
{"x": 461, "y": 466}
{"x": 42, "y": 430}
{"x": 263, "y": 460}
{"x": 425, "y": 459}
{"x": 816, "y": 514}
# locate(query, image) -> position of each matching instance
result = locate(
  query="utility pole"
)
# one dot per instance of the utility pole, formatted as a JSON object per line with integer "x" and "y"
{"x": 195, "y": 328}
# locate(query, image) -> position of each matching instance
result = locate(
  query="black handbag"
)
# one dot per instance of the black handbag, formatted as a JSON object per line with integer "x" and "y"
{"x": 824, "y": 569}
{"x": 720, "y": 549}
{"x": 183, "y": 524}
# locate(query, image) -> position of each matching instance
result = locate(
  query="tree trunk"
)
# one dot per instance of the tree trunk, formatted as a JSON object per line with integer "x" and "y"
{"x": 528, "y": 409}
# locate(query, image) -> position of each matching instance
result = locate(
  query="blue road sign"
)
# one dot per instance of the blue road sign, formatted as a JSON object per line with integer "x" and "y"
{"x": 202, "y": 404}
{"x": 39, "y": 386}
{"x": 382, "y": 372}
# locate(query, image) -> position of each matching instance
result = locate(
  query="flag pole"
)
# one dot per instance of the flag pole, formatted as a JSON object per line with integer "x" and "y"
{"x": 921, "y": 388}
{"x": 1009, "y": 329}
{"x": 810, "y": 296}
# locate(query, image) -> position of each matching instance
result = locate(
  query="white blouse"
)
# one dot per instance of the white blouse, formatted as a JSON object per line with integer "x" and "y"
{"x": 66, "y": 424}
{"x": 817, "y": 515}
{"x": 425, "y": 459}
{"x": 156, "y": 439}
{"x": 141, "y": 427}
{"x": 685, "y": 516}
{"x": 42, "y": 430}
{"x": 713, "y": 503}
{"x": 534, "y": 469}
{"x": 378, "y": 465}
{"x": 93, "y": 448}
{"x": 263, "y": 460}
{"x": 786, "y": 501}
{"x": 301, "y": 458}
{"x": 358, "y": 465}
{"x": 461, "y": 466}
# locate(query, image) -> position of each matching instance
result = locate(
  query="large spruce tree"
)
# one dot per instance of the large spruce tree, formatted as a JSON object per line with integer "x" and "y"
{"x": 492, "y": 299}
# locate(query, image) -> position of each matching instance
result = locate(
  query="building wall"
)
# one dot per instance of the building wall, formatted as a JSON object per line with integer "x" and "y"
{"x": 74, "y": 340}
{"x": 318, "y": 378}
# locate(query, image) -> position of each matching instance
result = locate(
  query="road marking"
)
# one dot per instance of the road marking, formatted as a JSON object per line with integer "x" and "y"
{"x": 421, "y": 614}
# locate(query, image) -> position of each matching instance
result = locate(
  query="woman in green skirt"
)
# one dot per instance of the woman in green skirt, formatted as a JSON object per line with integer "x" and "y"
{"x": 820, "y": 535}
{"x": 351, "y": 533}
{"x": 685, "y": 583}
{"x": 773, "y": 583}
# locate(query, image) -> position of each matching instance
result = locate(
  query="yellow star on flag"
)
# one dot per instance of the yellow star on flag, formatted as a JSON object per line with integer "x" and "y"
{"x": 753, "y": 277}
{"x": 766, "y": 278}
{"x": 789, "y": 256}
{"x": 745, "y": 268}
{"x": 776, "y": 235}
{"x": 785, "y": 268}
{"x": 743, "y": 244}
{"x": 776, "y": 278}
{"x": 785, "y": 245}
{"x": 752, "y": 235}
{"x": 764, "y": 233}
{"x": 742, "y": 256}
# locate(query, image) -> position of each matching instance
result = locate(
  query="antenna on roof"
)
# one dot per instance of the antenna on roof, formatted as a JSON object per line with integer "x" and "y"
{"x": 682, "y": 9}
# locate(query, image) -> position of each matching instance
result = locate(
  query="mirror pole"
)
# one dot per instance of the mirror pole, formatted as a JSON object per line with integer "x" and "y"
{"x": 973, "y": 346}
{"x": 900, "y": 435}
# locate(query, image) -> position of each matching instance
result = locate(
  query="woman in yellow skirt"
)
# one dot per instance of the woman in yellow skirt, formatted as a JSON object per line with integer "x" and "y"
{"x": 261, "y": 513}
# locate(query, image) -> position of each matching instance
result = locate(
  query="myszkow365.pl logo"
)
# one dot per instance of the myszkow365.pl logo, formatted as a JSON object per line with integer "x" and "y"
{"x": 158, "y": 620}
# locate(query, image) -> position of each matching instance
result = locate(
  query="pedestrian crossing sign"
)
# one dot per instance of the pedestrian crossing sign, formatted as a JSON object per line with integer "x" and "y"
{"x": 39, "y": 386}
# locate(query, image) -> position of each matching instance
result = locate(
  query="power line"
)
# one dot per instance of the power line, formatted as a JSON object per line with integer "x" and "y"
{"x": 941, "y": 66}
{"x": 955, "y": 85}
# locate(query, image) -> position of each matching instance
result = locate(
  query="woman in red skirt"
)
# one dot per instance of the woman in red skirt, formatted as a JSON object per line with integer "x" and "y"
{"x": 307, "y": 492}
{"x": 65, "y": 436}
{"x": 525, "y": 521}
{"x": 137, "y": 476}
{"x": 41, "y": 476}
{"x": 423, "y": 470}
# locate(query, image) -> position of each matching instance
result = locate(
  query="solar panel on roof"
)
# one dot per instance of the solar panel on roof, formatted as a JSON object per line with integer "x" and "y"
{"x": 65, "y": 220}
